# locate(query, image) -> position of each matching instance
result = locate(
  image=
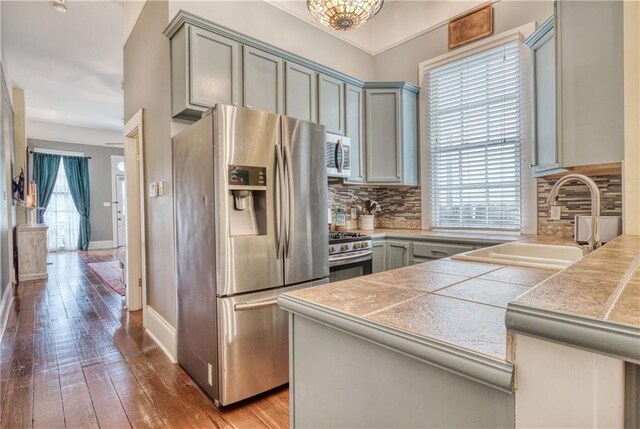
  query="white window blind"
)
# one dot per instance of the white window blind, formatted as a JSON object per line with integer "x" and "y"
{"x": 474, "y": 141}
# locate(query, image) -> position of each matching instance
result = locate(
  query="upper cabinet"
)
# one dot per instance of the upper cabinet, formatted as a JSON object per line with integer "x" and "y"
{"x": 205, "y": 71}
{"x": 211, "y": 64}
{"x": 262, "y": 74}
{"x": 578, "y": 86}
{"x": 301, "y": 92}
{"x": 354, "y": 129}
{"x": 331, "y": 103}
{"x": 391, "y": 142}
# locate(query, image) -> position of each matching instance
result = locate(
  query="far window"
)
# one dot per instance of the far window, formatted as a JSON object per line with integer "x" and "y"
{"x": 474, "y": 139}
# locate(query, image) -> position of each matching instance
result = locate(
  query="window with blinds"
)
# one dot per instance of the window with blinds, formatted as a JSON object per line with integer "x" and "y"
{"x": 473, "y": 134}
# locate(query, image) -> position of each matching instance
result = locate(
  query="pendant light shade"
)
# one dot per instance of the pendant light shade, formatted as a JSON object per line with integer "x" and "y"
{"x": 343, "y": 15}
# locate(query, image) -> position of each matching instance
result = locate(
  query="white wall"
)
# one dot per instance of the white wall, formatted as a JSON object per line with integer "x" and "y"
{"x": 401, "y": 62}
{"x": 131, "y": 10}
{"x": 264, "y": 22}
{"x": 71, "y": 134}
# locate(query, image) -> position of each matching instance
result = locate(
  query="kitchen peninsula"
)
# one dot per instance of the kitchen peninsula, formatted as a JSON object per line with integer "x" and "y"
{"x": 428, "y": 345}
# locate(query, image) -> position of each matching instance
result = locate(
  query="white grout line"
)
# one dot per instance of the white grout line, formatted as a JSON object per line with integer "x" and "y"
{"x": 615, "y": 296}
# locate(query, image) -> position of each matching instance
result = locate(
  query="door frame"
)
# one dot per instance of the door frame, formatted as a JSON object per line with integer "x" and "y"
{"x": 136, "y": 294}
{"x": 115, "y": 159}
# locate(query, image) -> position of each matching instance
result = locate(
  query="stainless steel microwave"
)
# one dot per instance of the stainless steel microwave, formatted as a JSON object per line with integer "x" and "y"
{"x": 338, "y": 155}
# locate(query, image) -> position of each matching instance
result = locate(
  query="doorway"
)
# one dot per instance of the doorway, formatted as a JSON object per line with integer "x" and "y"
{"x": 118, "y": 201}
{"x": 121, "y": 211}
{"x": 133, "y": 219}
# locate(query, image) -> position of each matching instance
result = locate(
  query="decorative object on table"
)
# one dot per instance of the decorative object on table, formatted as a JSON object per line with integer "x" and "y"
{"x": 471, "y": 26}
{"x": 110, "y": 273}
{"x": 17, "y": 187}
{"x": 341, "y": 220}
{"x": 367, "y": 216}
{"x": 343, "y": 15}
{"x": 31, "y": 204}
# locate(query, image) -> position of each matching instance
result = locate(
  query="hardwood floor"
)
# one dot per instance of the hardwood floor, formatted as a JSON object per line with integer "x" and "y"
{"x": 72, "y": 356}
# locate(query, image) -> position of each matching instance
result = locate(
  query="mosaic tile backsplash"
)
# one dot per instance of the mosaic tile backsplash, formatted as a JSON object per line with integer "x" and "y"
{"x": 400, "y": 206}
{"x": 575, "y": 199}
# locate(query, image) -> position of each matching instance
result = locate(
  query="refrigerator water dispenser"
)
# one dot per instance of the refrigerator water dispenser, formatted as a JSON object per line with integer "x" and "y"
{"x": 247, "y": 200}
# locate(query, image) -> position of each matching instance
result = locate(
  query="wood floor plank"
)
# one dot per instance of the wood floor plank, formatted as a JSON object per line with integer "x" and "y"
{"x": 199, "y": 405}
{"x": 106, "y": 403}
{"x": 166, "y": 401}
{"x": 47, "y": 400}
{"x": 76, "y": 400}
{"x": 17, "y": 409}
{"x": 139, "y": 408}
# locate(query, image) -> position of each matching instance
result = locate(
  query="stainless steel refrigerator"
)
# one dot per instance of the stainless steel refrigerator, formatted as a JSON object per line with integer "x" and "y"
{"x": 251, "y": 206}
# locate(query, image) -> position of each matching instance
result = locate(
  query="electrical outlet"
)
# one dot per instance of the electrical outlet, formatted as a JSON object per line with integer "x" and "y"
{"x": 556, "y": 212}
{"x": 106, "y": 204}
{"x": 210, "y": 374}
{"x": 160, "y": 189}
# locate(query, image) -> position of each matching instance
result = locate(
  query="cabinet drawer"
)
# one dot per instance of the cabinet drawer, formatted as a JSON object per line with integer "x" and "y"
{"x": 438, "y": 250}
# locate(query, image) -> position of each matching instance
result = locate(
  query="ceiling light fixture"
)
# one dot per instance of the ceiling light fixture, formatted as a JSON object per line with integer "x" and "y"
{"x": 60, "y": 5}
{"x": 343, "y": 15}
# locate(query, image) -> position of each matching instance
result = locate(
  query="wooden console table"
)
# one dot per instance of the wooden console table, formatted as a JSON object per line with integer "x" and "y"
{"x": 32, "y": 252}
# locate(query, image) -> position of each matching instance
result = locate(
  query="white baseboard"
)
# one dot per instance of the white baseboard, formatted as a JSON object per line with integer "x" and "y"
{"x": 5, "y": 307}
{"x": 99, "y": 245}
{"x": 162, "y": 333}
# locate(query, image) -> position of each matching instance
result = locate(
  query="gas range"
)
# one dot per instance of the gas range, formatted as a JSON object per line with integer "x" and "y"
{"x": 345, "y": 247}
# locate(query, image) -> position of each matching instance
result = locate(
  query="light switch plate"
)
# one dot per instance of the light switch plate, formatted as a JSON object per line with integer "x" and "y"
{"x": 160, "y": 188}
{"x": 153, "y": 190}
{"x": 106, "y": 204}
{"x": 556, "y": 212}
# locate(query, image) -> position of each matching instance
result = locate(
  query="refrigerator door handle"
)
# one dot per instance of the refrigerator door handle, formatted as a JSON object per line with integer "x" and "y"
{"x": 280, "y": 187}
{"x": 255, "y": 305}
{"x": 289, "y": 212}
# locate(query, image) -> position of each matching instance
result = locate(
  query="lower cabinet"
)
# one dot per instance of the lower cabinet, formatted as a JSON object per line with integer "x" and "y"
{"x": 389, "y": 254}
{"x": 379, "y": 262}
{"x": 398, "y": 254}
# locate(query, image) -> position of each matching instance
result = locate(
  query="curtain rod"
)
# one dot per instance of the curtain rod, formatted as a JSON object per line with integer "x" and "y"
{"x": 88, "y": 157}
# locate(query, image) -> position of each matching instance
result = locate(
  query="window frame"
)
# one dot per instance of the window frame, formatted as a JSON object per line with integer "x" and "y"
{"x": 528, "y": 212}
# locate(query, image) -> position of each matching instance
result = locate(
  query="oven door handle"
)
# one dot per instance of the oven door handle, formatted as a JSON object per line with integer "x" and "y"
{"x": 351, "y": 256}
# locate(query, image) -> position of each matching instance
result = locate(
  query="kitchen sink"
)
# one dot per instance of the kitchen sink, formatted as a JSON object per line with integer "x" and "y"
{"x": 545, "y": 256}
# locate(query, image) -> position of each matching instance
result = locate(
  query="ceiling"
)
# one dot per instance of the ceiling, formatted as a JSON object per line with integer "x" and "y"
{"x": 69, "y": 64}
{"x": 397, "y": 21}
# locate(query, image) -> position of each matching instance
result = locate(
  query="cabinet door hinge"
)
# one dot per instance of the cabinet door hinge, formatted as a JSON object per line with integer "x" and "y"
{"x": 139, "y": 282}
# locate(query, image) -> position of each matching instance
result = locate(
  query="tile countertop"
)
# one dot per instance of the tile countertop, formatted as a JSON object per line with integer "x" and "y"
{"x": 460, "y": 306}
{"x": 457, "y": 302}
{"x": 592, "y": 304}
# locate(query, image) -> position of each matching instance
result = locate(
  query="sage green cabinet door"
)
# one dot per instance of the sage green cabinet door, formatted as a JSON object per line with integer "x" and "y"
{"x": 214, "y": 69}
{"x": 205, "y": 70}
{"x": 354, "y": 122}
{"x": 589, "y": 43}
{"x": 301, "y": 92}
{"x": 331, "y": 103}
{"x": 398, "y": 254}
{"x": 379, "y": 261}
{"x": 383, "y": 136}
{"x": 263, "y": 80}
{"x": 545, "y": 145}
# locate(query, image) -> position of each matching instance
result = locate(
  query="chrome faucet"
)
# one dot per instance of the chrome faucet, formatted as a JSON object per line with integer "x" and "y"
{"x": 594, "y": 239}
